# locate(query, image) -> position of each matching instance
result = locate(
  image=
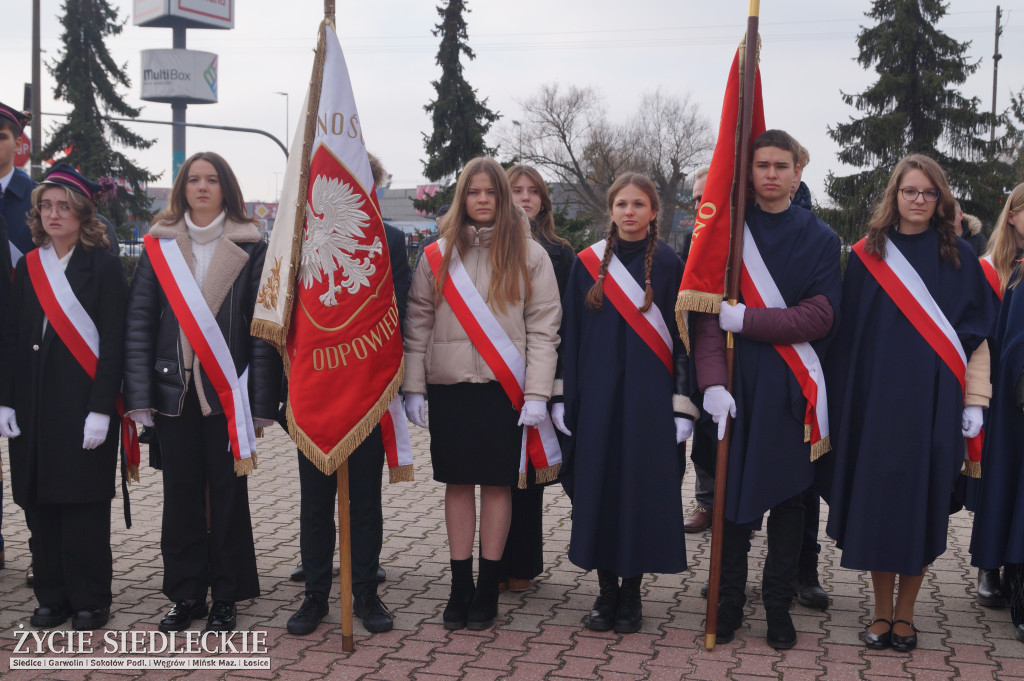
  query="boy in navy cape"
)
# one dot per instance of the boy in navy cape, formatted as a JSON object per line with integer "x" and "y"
{"x": 770, "y": 455}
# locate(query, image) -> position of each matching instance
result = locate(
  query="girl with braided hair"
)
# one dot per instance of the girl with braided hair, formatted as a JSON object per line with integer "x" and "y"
{"x": 625, "y": 374}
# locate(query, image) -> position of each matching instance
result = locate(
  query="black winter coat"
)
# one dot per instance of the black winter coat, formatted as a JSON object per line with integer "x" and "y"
{"x": 52, "y": 394}
{"x": 155, "y": 371}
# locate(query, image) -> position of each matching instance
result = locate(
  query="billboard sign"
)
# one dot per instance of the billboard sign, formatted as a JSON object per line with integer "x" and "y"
{"x": 179, "y": 76}
{"x": 193, "y": 13}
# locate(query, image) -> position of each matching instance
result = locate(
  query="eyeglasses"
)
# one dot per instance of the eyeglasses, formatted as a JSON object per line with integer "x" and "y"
{"x": 61, "y": 208}
{"x": 696, "y": 199}
{"x": 911, "y": 194}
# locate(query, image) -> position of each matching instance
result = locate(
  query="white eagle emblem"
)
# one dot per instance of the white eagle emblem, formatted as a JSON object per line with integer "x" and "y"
{"x": 334, "y": 225}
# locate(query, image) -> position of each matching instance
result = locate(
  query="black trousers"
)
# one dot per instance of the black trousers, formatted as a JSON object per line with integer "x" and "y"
{"x": 318, "y": 533}
{"x": 71, "y": 554}
{"x": 524, "y": 549}
{"x": 809, "y": 546}
{"x": 222, "y": 558}
{"x": 785, "y": 535}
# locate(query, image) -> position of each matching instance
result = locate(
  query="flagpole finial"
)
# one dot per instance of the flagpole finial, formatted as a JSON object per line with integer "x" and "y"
{"x": 329, "y": 9}
{"x": 755, "y": 8}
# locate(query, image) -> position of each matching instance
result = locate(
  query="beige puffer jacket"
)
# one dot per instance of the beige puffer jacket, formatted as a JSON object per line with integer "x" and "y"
{"x": 437, "y": 349}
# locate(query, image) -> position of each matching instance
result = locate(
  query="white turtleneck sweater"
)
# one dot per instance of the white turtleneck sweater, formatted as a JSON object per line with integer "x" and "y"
{"x": 204, "y": 242}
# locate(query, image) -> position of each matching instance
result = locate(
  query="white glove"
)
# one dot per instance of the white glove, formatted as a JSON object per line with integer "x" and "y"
{"x": 96, "y": 426}
{"x": 143, "y": 417}
{"x": 533, "y": 412}
{"x": 730, "y": 317}
{"x": 416, "y": 408}
{"x": 971, "y": 421}
{"x": 684, "y": 429}
{"x": 558, "y": 417}
{"x": 8, "y": 425}
{"x": 720, "y": 404}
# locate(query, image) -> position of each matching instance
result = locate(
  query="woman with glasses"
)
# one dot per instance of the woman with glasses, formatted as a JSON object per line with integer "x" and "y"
{"x": 60, "y": 374}
{"x": 908, "y": 380}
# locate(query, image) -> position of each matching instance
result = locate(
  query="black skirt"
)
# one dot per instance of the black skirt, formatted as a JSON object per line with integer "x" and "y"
{"x": 475, "y": 438}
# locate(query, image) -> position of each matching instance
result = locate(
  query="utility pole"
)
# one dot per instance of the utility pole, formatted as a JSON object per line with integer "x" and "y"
{"x": 995, "y": 72}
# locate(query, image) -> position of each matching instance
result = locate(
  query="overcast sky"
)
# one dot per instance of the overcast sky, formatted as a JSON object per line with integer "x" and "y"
{"x": 621, "y": 48}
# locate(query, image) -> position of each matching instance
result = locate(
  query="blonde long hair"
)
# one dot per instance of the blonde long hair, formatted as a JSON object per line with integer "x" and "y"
{"x": 508, "y": 243}
{"x": 1003, "y": 247}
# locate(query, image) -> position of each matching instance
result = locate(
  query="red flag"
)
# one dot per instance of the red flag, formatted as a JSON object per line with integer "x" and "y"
{"x": 336, "y": 322}
{"x": 703, "y": 285}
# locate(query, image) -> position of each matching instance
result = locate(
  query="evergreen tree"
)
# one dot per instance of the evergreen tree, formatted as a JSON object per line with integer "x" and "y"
{"x": 913, "y": 107}
{"x": 460, "y": 119}
{"x": 87, "y": 78}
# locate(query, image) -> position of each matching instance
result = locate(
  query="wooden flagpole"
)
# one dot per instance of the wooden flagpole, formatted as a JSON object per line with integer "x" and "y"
{"x": 733, "y": 285}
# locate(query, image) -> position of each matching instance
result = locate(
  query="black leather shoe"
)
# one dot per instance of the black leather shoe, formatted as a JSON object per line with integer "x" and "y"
{"x": 704, "y": 589}
{"x": 455, "y": 612}
{"x": 878, "y": 641}
{"x": 298, "y": 574}
{"x": 181, "y": 615}
{"x": 629, "y": 612}
{"x": 810, "y": 594}
{"x": 990, "y": 589}
{"x": 309, "y": 615}
{"x": 781, "y": 632}
{"x": 223, "y": 617}
{"x": 90, "y": 619}
{"x": 30, "y": 576}
{"x": 602, "y": 615}
{"x": 1019, "y": 631}
{"x": 904, "y": 644}
{"x": 382, "y": 576}
{"x": 484, "y": 606}
{"x": 375, "y": 615}
{"x": 730, "y": 618}
{"x": 50, "y": 615}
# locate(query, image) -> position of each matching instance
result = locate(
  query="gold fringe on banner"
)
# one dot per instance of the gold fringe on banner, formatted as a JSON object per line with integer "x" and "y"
{"x": 548, "y": 474}
{"x": 694, "y": 301}
{"x": 972, "y": 469}
{"x": 133, "y": 474}
{"x": 821, "y": 447}
{"x": 400, "y": 474}
{"x": 245, "y": 466}
{"x": 328, "y": 463}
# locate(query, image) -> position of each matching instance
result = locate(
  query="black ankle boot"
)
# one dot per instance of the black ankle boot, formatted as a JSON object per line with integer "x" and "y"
{"x": 990, "y": 589}
{"x": 462, "y": 594}
{"x": 629, "y": 611}
{"x": 602, "y": 615}
{"x": 484, "y": 605}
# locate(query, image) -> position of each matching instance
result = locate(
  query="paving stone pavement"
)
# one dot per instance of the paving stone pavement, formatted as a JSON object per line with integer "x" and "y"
{"x": 539, "y": 633}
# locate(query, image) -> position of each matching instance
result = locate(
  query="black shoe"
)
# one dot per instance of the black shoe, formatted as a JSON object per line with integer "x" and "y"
{"x": 3, "y": 559}
{"x": 1019, "y": 632}
{"x": 90, "y": 619}
{"x": 781, "y": 633}
{"x": 307, "y": 618}
{"x": 298, "y": 574}
{"x": 629, "y": 612}
{"x": 602, "y": 615}
{"x": 50, "y": 615}
{"x": 484, "y": 606}
{"x": 382, "y": 576}
{"x": 878, "y": 641}
{"x": 990, "y": 590}
{"x": 904, "y": 644}
{"x": 181, "y": 615}
{"x": 454, "y": 616}
{"x": 810, "y": 594}
{"x": 375, "y": 615}
{"x": 223, "y": 617}
{"x": 704, "y": 589}
{"x": 730, "y": 618}
{"x": 30, "y": 575}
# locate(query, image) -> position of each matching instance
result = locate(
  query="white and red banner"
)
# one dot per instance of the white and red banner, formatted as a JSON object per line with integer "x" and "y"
{"x": 327, "y": 300}
{"x": 760, "y": 290}
{"x": 991, "y": 276}
{"x": 77, "y": 331}
{"x": 540, "y": 445}
{"x": 626, "y": 295}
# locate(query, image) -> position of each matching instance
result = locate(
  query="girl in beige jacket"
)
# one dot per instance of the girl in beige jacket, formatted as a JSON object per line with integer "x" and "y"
{"x": 475, "y": 431}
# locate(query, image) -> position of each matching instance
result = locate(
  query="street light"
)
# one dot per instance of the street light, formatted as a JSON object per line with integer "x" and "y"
{"x": 287, "y": 127}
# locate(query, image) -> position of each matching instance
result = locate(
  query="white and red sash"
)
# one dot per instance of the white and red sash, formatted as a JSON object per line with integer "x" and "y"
{"x": 627, "y": 297}
{"x": 991, "y": 275}
{"x": 394, "y": 431}
{"x": 207, "y": 340}
{"x": 760, "y": 290}
{"x": 76, "y": 330}
{"x": 502, "y": 357}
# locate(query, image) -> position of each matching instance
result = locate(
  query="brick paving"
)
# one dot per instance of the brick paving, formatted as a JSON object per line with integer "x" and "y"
{"x": 539, "y": 633}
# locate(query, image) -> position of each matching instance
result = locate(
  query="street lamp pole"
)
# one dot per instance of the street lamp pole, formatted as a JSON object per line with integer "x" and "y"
{"x": 287, "y": 126}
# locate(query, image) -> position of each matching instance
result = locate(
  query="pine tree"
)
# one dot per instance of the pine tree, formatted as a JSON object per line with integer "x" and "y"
{"x": 460, "y": 119}
{"x": 87, "y": 78}
{"x": 913, "y": 107}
